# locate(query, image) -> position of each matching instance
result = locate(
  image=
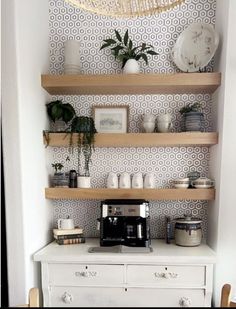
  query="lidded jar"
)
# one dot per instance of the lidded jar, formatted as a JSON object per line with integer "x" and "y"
{"x": 188, "y": 231}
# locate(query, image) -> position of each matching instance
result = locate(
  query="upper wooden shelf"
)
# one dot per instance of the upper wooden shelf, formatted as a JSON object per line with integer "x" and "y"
{"x": 149, "y": 194}
{"x": 131, "y": 83}
{"x": 139, "y": 139}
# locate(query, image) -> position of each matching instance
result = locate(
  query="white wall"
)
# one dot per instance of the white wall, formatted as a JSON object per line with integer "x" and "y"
{"x": 222, "y": 212}
{"x": 28, "y": 215}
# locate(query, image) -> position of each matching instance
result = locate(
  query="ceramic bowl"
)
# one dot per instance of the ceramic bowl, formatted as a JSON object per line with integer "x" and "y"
{"x": 203, "y": 183}
{"x": 181, "y": 183}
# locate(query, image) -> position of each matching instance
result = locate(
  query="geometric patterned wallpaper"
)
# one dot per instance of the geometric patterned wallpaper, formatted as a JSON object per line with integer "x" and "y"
{"x": 168, "y": 163}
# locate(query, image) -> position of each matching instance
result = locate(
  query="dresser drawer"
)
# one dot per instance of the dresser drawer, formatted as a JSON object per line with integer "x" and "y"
{"x": 125, "y": 297}
{"x": 166, "y": 275}
{"x": 81, "y": 274}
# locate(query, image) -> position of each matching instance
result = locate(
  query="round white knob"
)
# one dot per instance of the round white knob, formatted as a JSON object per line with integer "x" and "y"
{"x": 67, "y": 298}
{"x": 185, "y": 302}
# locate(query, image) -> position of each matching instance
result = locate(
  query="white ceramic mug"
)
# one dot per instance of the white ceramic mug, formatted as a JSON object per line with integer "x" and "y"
{"x": 164, "y": 117}
{"x": 112, "y": 181}
{"x": 164, "y": 126}
{"x": 149, "y": 181}
{"x": 137, "y": 181}
{"x": 125, "y": 182}
{"x": 65, "y": 224}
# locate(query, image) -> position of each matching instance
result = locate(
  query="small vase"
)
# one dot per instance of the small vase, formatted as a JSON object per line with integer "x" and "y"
{"x": 131, "y": 67}
{"x": 149, "y": 126}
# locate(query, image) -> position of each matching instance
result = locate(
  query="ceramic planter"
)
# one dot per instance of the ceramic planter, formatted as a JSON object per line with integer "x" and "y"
{"x": 131, "y": 67}
{"x": 193, "y": 121}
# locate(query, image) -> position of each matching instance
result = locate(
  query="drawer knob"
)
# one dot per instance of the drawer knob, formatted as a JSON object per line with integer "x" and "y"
{"x": 67, "y": 298}
{"x": 166, "y": 275}
{"x": 185, "y": 302}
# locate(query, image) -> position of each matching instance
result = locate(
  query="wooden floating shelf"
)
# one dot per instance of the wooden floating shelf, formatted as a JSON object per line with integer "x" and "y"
{"x": 139, "y": 139}
{"x": 149, "y": 194}
{"x": 131, "y": 83}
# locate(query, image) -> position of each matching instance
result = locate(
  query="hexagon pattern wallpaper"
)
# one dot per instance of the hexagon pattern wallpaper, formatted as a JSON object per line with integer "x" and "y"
{"x": 168, "y": 163}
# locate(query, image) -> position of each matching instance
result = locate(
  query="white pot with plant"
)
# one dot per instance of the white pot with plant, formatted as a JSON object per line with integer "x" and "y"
{"x": 124, "y": 50}
{"x": 85, "y": 128}
{"x": 192, "y": 117}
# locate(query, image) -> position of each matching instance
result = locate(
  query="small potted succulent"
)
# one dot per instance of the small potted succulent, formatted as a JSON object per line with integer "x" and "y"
{"x": 85, "y": 128}
{"x": 60, "y": 179}
{"x": 124, "y": 50}
{"x": 193, "y": 118}
{"x": 60, "y": 114}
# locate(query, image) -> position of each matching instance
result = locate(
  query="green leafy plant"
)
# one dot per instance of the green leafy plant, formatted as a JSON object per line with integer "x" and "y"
{"x": 60, "y": 111}
{"x": 57, "y": 166}
{"x": 123, "y": 48}
{"x": 194, "y": 107}
{"x": 86, "y": 130}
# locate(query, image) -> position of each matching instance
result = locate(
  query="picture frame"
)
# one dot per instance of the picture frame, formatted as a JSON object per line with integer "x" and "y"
{"x": 111, "y": 118}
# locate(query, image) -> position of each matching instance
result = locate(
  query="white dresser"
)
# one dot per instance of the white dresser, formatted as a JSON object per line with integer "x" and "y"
{"x": 170, "y": 276}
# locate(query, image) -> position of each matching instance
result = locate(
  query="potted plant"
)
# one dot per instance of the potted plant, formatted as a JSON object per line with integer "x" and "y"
{"x": 193, "y": 118}
{"x": 124, "y": 50}
{"x": 60, "y": 113}
{"x": 60, "y": 179}
{"x": 85, "y": 128}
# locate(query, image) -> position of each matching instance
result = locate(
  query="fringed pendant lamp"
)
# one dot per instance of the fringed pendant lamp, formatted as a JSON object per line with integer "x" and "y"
{"x": 125, "y": 8}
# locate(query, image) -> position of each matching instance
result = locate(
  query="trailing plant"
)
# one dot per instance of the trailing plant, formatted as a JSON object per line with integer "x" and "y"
{"x": 85, "y": 128}
{"x": 60, "y": 111}
{"x": 123, "y": 48}
{"x": 194, "y": 107}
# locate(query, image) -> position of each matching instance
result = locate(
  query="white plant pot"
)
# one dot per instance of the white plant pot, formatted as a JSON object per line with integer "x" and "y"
{"x": 131, "y": 67}
{"x": 83, "y": 182}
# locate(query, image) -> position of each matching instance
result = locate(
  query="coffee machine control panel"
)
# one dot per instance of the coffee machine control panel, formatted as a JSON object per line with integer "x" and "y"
{"x": 141, "y": 210}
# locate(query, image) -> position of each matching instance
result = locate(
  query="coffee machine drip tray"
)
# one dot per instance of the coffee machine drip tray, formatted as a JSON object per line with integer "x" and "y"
{"x": 120, "y": 249}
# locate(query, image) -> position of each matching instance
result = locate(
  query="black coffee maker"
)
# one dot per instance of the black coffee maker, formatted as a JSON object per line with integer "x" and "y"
{"x": 125, "y": 222}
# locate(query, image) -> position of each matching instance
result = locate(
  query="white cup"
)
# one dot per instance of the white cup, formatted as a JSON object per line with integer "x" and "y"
{"x": 137, "y": 181}
{"x": 164, "y": 126}
{"x": 112, "y": 181}
{"x": 164, "y": 117}
{"x": 125, "y": 182}
{"x": 65, "y": 224}
{"x": 149, "y": 181}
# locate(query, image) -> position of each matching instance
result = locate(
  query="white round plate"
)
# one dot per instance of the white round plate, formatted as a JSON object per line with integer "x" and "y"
{"x": 195, "y": 47}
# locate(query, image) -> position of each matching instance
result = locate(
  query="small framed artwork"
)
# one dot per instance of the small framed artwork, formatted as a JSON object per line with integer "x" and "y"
{"x": 111, "y": 119}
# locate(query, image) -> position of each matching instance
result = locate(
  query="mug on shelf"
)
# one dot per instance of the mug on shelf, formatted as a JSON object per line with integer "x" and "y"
{"x": 137, "y": 181}
{"x": 125, "y": 182}
{"x": 112, "y": 181}
{"x": 65, "y": 224}
{"x": 149, "y": 181}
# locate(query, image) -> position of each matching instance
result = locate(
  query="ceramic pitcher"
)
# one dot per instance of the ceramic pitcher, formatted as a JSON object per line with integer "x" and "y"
{"x": 125, "y": 182}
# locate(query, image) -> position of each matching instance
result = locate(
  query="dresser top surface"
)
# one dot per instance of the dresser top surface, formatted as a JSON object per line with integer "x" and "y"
{"x": 162, "y": 253}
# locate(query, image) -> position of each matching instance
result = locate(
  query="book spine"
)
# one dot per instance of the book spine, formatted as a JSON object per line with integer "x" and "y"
{"x": 78, "y": 240}
{"x": 69, "y": 236}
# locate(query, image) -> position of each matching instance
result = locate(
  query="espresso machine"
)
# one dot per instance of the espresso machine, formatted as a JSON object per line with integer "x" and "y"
{"x": 125, "y": 222}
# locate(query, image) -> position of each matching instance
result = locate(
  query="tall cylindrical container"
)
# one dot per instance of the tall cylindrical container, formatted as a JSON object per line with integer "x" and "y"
{"x": 72, "y": 57}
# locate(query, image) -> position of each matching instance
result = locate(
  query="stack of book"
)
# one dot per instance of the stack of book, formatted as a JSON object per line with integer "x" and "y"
{"x": 69, "y": 237}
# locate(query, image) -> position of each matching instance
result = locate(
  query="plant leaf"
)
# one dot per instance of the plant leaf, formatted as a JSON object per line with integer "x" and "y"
{"x": 110, "y": 41}
{"x": 143, "y": 46}
{"x": 126, "y": 37}
{"x": 152, "y": 52}
{"x": 116, "y": 50}
{"x": 130, "y": 44}
{"x": 144, "y": 58}
{"x": 118, "y": 36}
{"x": 104, "y": 46}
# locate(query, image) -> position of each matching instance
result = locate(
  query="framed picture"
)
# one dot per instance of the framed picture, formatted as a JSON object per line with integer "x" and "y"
{"x": 111, "y": 119}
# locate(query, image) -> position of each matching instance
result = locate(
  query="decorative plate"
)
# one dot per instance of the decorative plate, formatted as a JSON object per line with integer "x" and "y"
{"x": 195, "y": 47}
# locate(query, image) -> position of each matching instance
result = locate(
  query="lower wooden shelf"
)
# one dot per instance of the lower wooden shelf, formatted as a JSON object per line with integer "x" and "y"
{"x": 149, "y": 194}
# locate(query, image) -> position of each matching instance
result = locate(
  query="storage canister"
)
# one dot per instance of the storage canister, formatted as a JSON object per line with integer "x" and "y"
{"x": 188, "y": 232}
